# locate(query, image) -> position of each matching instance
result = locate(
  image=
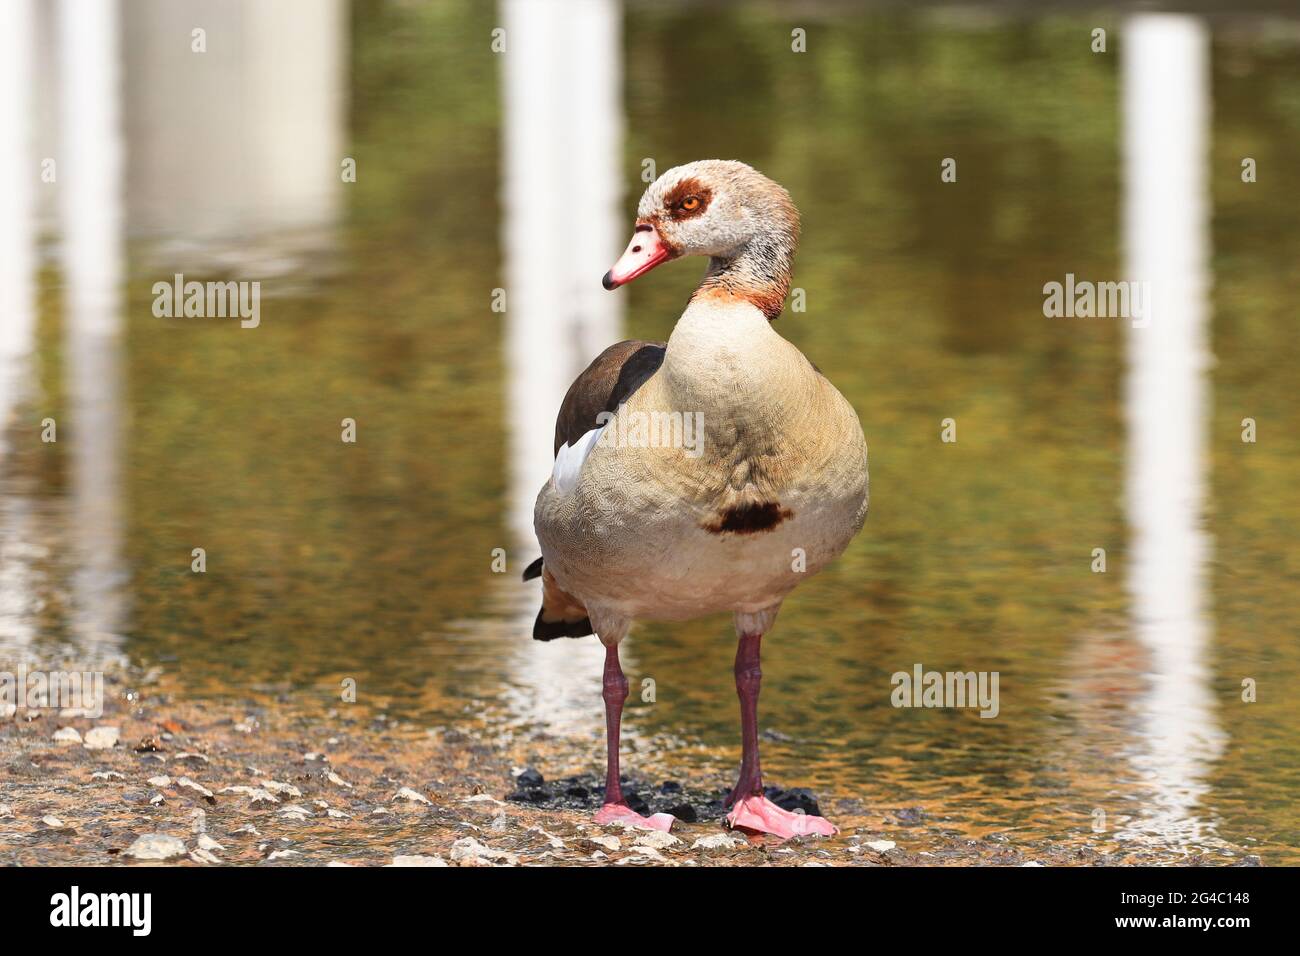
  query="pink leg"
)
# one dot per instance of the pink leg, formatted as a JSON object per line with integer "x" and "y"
{"x": 749, "y": 680}
{"x": 616, "y": 810}
{"x": 750, "y": 809}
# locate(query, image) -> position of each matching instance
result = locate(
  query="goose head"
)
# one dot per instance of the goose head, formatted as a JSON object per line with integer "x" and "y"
{"x": 743, "y": 222}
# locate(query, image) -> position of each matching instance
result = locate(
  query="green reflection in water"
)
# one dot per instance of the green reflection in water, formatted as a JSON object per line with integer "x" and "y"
{"x": 328, "y": 560}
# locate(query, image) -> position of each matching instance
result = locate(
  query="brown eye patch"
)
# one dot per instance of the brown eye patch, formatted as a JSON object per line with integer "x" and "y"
{"x": 688, "y": 198}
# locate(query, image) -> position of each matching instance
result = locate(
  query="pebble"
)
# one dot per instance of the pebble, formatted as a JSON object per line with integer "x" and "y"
{"x": 719, "y": 841}
{"x": 207, "y": 843}
{"x": 67, "y": 735}
{"x": 256, "y": 796}
{"x": 911, "y": 816}
{"x": 608, "y": 842}
{"x": 155, "y": 846}
{"x": 162, "y": 780}
{"x": 53, "y": 822}
{"x": 338, "y": 814}
{"x": 684, "y": 812}
{"x": 281, "y": 789}
{"x": 418, "y": 861}
{"x": 6, "y": 811}
{"x": 102, "y": 738}
{"x": 530, "y": 779}
{"x": 656, "y": 839}
{"x": 469, "y": 851}
{"x": 282, "y": 854}
{"x": 646, "y": 854}
{"x": 880, "y": 846}
{"x": 106, "y": 775}
{"x": 406, "y": 793}
{"x": 201, "y": 790}
{"x": 338, "y": 781}
{"x": 555, "y": 842}
{"x": 295, "y": 812}
{"x": 192, "y": 757}
{"x": 203, "y": 856}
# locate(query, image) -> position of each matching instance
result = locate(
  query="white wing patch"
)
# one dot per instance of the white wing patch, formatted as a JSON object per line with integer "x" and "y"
{"x": 569, "y": 461}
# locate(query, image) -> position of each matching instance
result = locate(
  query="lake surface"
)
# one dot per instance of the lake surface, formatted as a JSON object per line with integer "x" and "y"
{"x": 374, "y": 560}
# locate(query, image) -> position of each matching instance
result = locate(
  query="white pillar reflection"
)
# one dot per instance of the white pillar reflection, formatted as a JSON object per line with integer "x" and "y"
{"x": 20, "y": 178}
{"x": 90, "y": 175}
{"x": 564, "y": 225}
{"x": 562, "y": 138}
{"x": 236, "y": 151}
{"x": 1166, "y": 107}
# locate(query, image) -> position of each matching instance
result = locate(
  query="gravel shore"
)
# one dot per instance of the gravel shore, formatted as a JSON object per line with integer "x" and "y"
{"x": 164, "y": 780}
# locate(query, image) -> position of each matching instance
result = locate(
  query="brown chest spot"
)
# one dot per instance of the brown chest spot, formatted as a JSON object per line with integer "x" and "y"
{"x": 749, "y": 518}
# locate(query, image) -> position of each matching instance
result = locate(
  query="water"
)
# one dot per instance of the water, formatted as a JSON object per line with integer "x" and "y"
{"x": 1120, "y": 692}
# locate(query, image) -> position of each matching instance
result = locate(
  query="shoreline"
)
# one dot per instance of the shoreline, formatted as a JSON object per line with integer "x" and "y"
{"x": 220, "y": 784}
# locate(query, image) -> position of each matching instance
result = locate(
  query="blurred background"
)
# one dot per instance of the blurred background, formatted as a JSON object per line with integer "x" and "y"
{"x": 127, "y": 156}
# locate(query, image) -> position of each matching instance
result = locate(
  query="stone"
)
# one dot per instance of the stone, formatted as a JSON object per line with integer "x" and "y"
{"x": 155, "y": 846}
{"x": 256, "y": 795}
{"x": 719, "y": 841}
{"x": 656, "y": 839}
{"x": 530, "y": 779}
{"x": 468, "y": 851}
{"x": 406, "y": 793}
{"x": 198, "y": 788}
{"x": 102, "y": 738}
{"x": 281, "y": 789}
{"x": 418, "y": 861}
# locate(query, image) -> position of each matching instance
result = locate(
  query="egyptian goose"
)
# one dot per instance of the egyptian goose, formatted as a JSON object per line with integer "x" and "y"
{"x": 673, "y": 529}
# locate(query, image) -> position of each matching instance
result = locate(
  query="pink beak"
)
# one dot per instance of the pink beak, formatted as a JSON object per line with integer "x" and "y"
{"x": 646, "y": 250}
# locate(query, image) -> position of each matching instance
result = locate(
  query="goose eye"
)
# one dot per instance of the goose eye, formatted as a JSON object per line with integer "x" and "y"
{"x": 691, "y": 203}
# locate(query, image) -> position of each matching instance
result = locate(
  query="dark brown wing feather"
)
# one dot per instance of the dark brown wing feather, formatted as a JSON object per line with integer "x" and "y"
{"x": 605, "y": 384}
